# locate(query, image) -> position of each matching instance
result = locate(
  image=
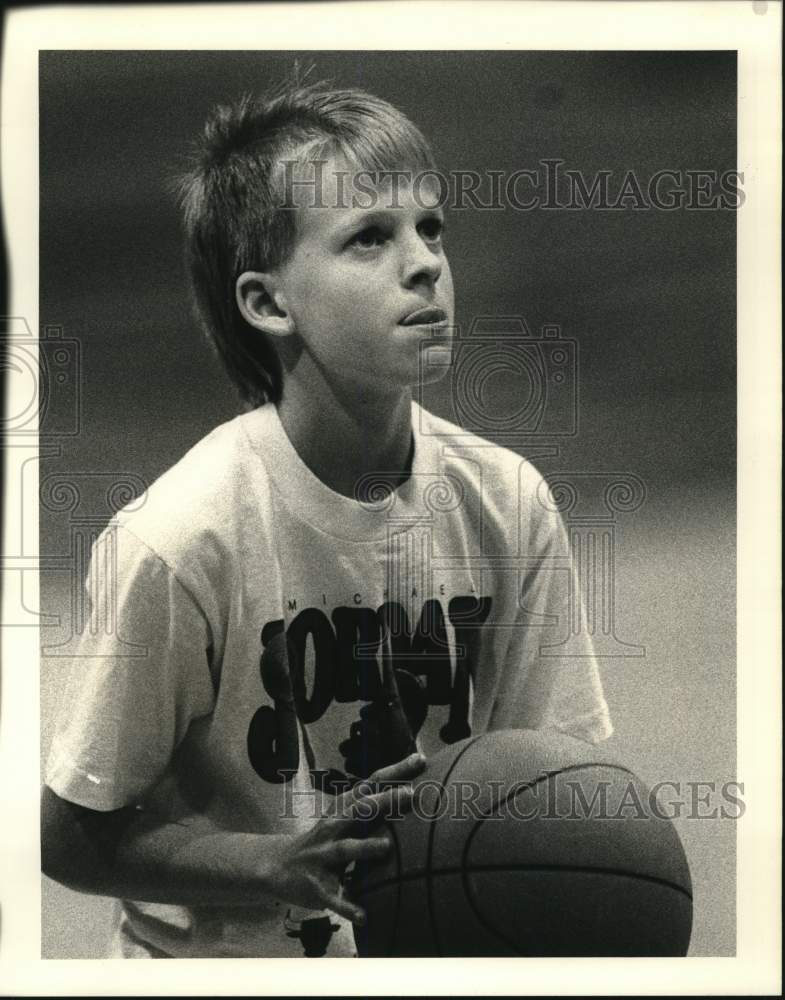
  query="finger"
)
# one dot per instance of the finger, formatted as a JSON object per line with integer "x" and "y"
{"x": 363, "y": 788}
{"x": 398, "y": 736}
{"x": 362, "y": 849}
{"x": 398, "y": 773}
{"x": 387, "y": 804}
{"x": 392, "y": 694}
{"x": 344, "y": 908}
{"x": 274, "y": 665}
{"x": 388, "y": 674}
{"x": 407, "y": 768}
{"x": 354, "y": 817}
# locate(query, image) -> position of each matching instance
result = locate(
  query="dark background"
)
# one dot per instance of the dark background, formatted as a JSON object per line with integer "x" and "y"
{"x": 648, "y": 295}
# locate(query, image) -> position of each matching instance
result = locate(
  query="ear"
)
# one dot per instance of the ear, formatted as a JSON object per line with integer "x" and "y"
{"x": 262, "y": 304}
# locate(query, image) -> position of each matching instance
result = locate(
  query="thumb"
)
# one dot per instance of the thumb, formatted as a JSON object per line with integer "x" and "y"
{"x": 400, "y": 733}
{"x": 392, "y": 697}
{"x": 274, "y": 667}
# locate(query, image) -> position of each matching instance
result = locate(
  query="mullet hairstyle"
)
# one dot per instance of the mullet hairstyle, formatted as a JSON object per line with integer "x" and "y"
{"x": 233, "y": 201}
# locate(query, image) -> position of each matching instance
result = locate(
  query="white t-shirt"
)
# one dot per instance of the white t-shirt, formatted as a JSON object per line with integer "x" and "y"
{"x": 467, "y": 565}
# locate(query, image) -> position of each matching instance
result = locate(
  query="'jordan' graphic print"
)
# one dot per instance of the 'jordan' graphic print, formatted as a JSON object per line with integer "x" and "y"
{"x": 374, "y": 657}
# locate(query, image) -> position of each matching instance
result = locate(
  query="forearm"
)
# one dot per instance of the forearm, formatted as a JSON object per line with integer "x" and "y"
{"x": 136, "y": 855}
{"x": 198, "y": 864}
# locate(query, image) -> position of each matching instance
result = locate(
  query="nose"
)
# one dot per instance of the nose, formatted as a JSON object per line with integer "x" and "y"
{"x": 421, "y": 263}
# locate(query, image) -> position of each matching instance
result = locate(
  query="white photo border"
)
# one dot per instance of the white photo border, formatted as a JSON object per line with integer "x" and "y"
{"x": 754, "y": 30}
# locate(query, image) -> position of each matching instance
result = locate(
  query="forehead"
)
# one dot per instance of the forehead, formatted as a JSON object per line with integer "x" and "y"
{"x": 331, "y": 193}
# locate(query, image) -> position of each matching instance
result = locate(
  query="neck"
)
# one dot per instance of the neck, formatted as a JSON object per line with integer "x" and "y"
{"x": 345, "y": 433}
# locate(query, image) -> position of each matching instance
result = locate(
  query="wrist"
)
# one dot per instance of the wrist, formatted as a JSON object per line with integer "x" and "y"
{"x": 268, "y": 866}
{"x": 230, "y": 869}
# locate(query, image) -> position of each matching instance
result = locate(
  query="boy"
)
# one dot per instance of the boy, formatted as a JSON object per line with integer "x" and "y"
{"x": 315, "y": 589}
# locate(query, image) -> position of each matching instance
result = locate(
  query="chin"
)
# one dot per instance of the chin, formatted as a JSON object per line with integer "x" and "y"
{"x": 434, "y": 363}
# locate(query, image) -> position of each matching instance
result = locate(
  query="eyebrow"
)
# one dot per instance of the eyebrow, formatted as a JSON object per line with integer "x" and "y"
{"x": 377, "y": 217}
{"x": 367, "y": 217}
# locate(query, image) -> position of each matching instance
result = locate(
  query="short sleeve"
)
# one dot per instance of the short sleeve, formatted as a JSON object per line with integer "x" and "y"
{"x": 541, "y": 687}
{"x": 140, "y": 676}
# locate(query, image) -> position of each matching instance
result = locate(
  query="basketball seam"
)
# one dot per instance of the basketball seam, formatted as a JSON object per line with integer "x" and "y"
{"x": 525, "y": 788}
{"x": 552, "y": 774}
{"x": 588, "y": 869}
{"x": 429, "y": 873}
{"x": 472, "y": 901}
{"x": 431, "y": 835}
{"x": 396, "y": 914}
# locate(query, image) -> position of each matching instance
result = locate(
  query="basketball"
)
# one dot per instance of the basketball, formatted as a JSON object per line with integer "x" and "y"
{"x": 527, "y": 843}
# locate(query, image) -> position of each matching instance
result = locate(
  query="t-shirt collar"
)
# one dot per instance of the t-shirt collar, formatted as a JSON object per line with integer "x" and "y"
{"x": 308, "y": 498}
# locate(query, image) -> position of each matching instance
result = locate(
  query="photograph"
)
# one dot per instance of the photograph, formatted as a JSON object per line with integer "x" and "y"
{"x": 565, "y": 268}
{"x": 388, "y": 509}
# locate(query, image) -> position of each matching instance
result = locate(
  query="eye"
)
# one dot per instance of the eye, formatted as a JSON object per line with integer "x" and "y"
{"x": 369, "y": 238}
{"x": 432, "y": 229}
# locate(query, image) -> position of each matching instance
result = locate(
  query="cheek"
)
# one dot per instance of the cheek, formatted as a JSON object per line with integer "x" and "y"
{"x": 329, "y": 294}
{"x": 448, "y": 289}
{"x": 333, "y": 322}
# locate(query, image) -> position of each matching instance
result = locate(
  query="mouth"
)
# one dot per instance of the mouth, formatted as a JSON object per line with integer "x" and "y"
{"x": 425, "y": 317}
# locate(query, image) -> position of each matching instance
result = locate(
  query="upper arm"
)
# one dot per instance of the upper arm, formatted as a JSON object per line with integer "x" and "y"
{"x": 78, "y": 844}
{"x": 129, "y": 701}
{"x": 550, "y": 677}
